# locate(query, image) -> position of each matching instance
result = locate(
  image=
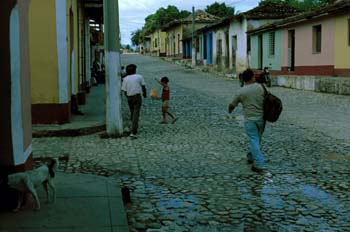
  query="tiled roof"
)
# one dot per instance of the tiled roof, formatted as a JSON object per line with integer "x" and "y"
{"x": 340, "y": 6}
{"x": 220, "y": 24}
{"x": 265, "y": 11}
{"x": 200, "y": 17}
{"x": 270, "y": 10}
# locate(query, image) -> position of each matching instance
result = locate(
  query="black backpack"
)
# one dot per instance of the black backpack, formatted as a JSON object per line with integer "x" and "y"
{"x": 272, "y": 106}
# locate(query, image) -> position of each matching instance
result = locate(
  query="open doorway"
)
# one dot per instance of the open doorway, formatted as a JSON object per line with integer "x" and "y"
{"x": 234, "y": 51}
{"x": 291, "y": 50}
{"x": 260, "y": 52}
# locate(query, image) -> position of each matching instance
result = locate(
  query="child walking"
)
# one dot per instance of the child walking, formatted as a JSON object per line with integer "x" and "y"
{"x": 165, "y": 99}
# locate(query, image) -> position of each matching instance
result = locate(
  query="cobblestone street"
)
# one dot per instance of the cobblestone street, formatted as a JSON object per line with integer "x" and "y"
{"x": 193, "y": 175}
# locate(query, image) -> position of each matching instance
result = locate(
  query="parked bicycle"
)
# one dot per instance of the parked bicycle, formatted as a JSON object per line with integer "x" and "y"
{"x": 263, "y": 77}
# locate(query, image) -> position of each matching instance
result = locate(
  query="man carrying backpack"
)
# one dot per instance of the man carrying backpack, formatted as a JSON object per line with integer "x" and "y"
{"x": 251, "y": 96}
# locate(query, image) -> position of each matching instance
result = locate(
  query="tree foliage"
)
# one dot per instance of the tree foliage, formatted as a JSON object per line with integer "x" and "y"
{"x": 220, "y": 10}
{"x": 163, "y": 16}
{"x": 303, "y": 5}
{"x": 136, "y": 37}
{"x": 157, "y": 20}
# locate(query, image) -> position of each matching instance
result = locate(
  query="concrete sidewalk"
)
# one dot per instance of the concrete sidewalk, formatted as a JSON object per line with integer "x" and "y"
{"x": 83, "y": 203}
{"x": 93, "y": 120}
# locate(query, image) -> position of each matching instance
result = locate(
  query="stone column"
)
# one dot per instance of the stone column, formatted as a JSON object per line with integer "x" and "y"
{"x": 114, "y": 121}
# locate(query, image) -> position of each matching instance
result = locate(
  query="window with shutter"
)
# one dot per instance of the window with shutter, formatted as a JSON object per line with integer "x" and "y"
{"x": 272, "y": 43}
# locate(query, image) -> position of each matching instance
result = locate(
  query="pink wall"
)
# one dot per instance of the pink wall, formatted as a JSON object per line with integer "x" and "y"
{"x": 304, "y": 55}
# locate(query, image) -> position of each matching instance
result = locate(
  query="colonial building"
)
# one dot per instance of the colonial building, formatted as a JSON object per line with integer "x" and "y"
{"x": 61, "y": 56}
{"x": 213, "y": 44}
{"x": 158, "y": 43}
{"x": 313, "y": 43}
{"x": 178, "y": 42}
{"x": 239, "y": 41}
{"x": 45, "y": 63}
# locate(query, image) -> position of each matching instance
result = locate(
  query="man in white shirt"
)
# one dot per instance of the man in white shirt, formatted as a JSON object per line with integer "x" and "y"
{"x": 134, "y": 85}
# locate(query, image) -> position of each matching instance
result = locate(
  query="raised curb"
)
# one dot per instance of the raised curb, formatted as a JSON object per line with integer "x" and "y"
{"x": 68, "y": 132}
{"x": 322, "y": 84}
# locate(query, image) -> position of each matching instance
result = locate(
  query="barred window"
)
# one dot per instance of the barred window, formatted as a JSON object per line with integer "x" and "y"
{"x": 272, "y": 43}
{"x": 316, "y": 38}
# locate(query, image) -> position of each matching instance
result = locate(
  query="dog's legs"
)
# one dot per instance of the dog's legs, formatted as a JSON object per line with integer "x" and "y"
{"x": 53, "y": 189}
{"x": 46, "y": 187}
{"x": 19, "y": 202}
{"x": 34, "y": 193}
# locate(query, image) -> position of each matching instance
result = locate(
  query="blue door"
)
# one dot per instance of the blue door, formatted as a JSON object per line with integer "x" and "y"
{"x": 209, "y": 45}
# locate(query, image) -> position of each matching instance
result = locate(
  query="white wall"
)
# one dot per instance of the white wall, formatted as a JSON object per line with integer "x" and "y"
{"x": 219, "y": 35}
{"x": 20, "y": 153}
{"x": 62, "y": 50}
{"x": 239, "y": 29}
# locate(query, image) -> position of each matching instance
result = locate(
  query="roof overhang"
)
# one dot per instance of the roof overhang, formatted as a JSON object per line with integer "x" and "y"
{"x": 340, "y": 8}
{"x": 94, "y": 10}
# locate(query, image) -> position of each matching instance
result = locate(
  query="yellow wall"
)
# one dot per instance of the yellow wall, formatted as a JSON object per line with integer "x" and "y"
{"x": 43, "y": 51}
{"x": 171, "y": 33}
{"x": 342, "y": 47}
{"x": 73, "y": 9}
{"x": 163, "y": 42}
{"x": 154, "y": 36}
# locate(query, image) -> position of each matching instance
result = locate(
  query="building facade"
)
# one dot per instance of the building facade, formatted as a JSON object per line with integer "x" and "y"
{"x": 158, "y": 43}
{"x": 239, "y": 41}
{"x": 178, "y": 33}
{"x": 315, "y": 43}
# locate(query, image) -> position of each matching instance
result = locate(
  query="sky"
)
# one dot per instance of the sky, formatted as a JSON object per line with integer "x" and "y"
{"x": 132, "y": 13}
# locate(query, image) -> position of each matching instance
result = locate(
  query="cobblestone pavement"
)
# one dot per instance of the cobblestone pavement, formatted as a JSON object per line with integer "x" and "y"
{"x": 193, "y": 175}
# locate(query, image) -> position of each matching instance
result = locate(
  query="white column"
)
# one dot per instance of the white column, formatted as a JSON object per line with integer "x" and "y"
{"x": 87, "y": 52}
{"x": 20, "y": 153}
{"x": 62, "y": 50}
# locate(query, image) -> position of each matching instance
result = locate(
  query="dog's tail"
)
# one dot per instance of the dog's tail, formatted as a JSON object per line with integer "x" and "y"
{"x": 53, "y": 167}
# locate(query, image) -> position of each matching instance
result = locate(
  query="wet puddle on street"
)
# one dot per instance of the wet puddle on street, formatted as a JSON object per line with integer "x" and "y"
{"x": 286, "y": 203}
{"x": 306, "y": 204}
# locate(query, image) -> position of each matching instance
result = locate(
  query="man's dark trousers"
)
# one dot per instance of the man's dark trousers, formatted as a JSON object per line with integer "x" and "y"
{"x": 135, "y": 103}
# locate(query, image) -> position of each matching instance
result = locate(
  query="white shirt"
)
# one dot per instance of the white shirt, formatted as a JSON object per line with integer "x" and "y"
{"x": 132, "y": 84}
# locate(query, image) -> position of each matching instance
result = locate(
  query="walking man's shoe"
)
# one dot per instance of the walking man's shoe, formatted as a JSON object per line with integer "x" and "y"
{"x": 250, "y": 158}
{"x": 133, "y": 136}
{"x": 257, "y": 170}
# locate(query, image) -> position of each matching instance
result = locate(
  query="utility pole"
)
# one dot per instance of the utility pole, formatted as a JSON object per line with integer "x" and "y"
{"x": 193, "y": 42}
{"x": 158, "y": 42}
{"x": 114, "y": 122}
